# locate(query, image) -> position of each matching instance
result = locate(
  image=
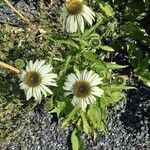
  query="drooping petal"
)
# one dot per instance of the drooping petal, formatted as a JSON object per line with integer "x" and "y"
{"x": 68, "y": 24}
{"x": 80, "y": 22}
{"x": 72, "y": 23}
{"x": 29, "y": 93}
{"x": 87, "y": 9}
{"x": 87, "y": 18}
{"x": 75, "y": 24}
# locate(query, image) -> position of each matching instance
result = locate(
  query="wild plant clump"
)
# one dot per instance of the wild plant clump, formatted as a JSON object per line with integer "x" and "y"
{"x": 68, "y": 63}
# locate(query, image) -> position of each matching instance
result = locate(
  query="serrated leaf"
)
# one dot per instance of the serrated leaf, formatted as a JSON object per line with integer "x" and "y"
{"x": 70, "y": 117}
{"x": 106, "y": 48}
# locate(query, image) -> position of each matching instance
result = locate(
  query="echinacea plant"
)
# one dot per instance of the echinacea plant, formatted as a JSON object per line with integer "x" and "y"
{"x": 86, "y": 81}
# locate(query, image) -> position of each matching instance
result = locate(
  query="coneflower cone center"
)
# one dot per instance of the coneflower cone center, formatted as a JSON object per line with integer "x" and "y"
{"x": 32, "y": 79}
{"x": 82, "y": 89}
{"x": 74, "y": 7}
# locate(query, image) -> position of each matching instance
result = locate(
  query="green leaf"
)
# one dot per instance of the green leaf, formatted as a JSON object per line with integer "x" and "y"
{"x": 88, "y": 32}
{"x": 90, "y": 56}
{"x": 144, "y": 76}
{"x": 70, "y": 117}
{"x": 86, "y": 127}
{"x": 144, "y": 63}
{"x": 59, "y": 108}
{"x": 107, "y": 9}
{"x": 106, "y": 48}
{"x": 115, "y": 87}
{"x": 69, "y": 42}
{"x": 75, "y": 140}
{"x": 48, "y": 104}
{"x": 94, "y": 114}
{"x": 114, "y": 66}
{"x": 112, "y": 98}
{"x": 67, "y": 63}
{"x": 137, "y": 33}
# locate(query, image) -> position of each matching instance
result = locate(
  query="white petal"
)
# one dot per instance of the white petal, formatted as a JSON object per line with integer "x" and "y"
{"x": 68, "y": 93}
{"x": 50, "y": 76}
{"x": 35, "y": 94}
{"x": 79, "y": 75}
{"x": 72, "y": 23}
{"x": 89, "y": 75}
{"x": 96, "y": 81}
{"x": 29, "y": 93}
{"x": 41, "y": 68}
{"x": 92, "y": 99}
{"x": 67, "y": 88}
{"x": 80, "y": 22}
{"x": 84, "y": 105}
{"x": 35, "y": 64}
{"x": 84, "y": 74}
{"x": 40, "y": 64}
{"x": 23, "y": 86}
{"x": 29, "y": 66}
{"x": 46, "y": 69}
{"x": 43, "y": 91}
{"x": 47, "y": 89}
{"x": 74, "y": 101}
{"x": 23, "y": 73}
{"x": 87, "y": 9}
{"x": 38, "y": 91}
{"x": 72, "y": 78}
{"x": 69, "y": 85}
{"x": 87, "y": 18}
{"x": 97, "y": 91}
{"x": 75, "y": 24}
{"x": 68, "y": 24}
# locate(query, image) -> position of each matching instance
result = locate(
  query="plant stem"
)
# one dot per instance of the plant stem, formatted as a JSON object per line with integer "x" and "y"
{"x": 4, "y": 65}
{"x": 16, "y": 11}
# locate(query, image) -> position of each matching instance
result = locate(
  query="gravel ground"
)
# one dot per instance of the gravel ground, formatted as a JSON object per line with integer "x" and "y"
{"x": 128, "y": 124}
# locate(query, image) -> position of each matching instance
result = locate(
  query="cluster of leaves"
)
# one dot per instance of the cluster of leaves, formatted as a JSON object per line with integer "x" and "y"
{"x": 93, "y": 50}
{"x": 134, "y": 32}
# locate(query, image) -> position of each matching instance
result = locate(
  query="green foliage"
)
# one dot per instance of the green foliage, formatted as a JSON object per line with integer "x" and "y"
{"x": 118, "y": 26}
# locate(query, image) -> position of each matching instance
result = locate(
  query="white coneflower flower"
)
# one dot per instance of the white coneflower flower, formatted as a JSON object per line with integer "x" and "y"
{"x": 74, "y": 13}
{"x": 36, "y": 78}
{"x": 84, "y": 88}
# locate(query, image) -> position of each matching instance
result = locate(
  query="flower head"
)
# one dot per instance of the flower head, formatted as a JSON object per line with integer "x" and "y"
{"x": 84, "y": 88}
{"x": 74, "y": 14}
{"x": 36, "y": 78}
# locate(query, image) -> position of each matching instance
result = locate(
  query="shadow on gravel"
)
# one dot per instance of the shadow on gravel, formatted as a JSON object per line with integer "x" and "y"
{"x": 137, "y": 110}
